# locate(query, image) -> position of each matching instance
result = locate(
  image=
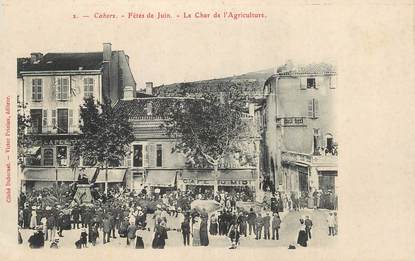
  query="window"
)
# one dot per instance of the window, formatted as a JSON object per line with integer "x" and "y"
{"x": 62, "y": 89}
{"x": 138, "y": 156}
{"x": 62, "y": 156}
{"x": 34, "y": 156}
{"x": 88, "y": 87}
{"x": 311, "y": 83}
{"x": 48, "y": 157}
{"x": 36, "y": 117}
{"x": 36, "y": 89}
{"x": 159, "y": 155}
{"x": 62, "y": 121}
{"x": 313, "y": 108}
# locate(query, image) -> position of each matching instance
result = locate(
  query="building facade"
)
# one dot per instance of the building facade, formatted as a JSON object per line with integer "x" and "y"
{"x": 154, "y": 164}
{"x": 52, "y": 87}
{"x": 300, "y": 133}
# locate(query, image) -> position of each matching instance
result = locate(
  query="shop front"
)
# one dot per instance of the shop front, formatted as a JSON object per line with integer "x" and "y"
{"x": 161, "y": 180}
{"x": 327, "y": 178}
{"x": 202, "y": 181}
{"x": 41, "y": 177}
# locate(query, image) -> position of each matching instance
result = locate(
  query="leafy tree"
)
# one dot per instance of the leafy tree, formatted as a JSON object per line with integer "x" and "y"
{"x": 209, "y": 127}
{"x": 105, "y": 136}
{"x": 24, "y": 141}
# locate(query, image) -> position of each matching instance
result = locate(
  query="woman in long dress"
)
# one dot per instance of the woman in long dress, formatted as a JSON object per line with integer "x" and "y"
{"x": 213, "y": 227}
{"x": 196, "y": 232}
{"x": 204, "y": 237}
{"x": 302, "y": 235}
{"x": 33, "y": 218}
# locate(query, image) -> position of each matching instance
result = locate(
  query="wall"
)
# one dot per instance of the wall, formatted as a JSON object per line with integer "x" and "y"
{"x": 293, "y": 102}
{"x": 49, "y": 101}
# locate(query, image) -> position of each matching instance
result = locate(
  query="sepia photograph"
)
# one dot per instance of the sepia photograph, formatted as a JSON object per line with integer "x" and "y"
{"x": 180, "y": 130}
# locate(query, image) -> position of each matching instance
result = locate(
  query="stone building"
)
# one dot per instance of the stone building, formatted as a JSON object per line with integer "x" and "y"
{"x": 53, "y": 86}
{"x": 153, "y": 163}
{"x": 300, "y": 127}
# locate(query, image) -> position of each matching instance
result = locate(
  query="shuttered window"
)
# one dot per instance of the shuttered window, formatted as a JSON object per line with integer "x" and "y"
{"x": 36, "y": 89}
{"x": 313, "y": 108}
{"x": 88, "y": 87}
{"x": 62, "y": 89}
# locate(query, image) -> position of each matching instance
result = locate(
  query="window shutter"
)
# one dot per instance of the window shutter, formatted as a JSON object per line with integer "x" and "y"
{"x": 65, "y": 89}
{"x": 70, "y": 117}
{"x": 151, "y": 155}
{"x": 45, "y": 120}
{"x": 54, "y": 120}
{"x": 316, "y": 108}
{"x": 318, "y": 82}
{"x": 310, "y": 108}
{"x": 58, "y": 88}
{"x": 333, "y": 82}
{"x": 145, "y": 158}
{"x": 53, "y": 94}
{"x": 303, "y": 83}
{"x": 128, "y": 162}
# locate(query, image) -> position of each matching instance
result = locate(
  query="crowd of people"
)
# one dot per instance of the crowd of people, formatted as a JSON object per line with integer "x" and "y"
{"x": 123, "y": 213}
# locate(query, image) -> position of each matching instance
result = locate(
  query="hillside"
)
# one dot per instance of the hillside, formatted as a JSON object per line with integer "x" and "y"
{"x": 252, "y": 83}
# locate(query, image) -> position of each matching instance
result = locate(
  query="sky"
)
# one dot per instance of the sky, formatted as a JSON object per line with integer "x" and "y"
{"x": 180, "y": 50}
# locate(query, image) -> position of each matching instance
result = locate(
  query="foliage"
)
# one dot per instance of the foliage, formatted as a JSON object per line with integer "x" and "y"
{"x": 24, "y": 141}
{"x": 105, "y": 135}
{"x": 208, "y": 127}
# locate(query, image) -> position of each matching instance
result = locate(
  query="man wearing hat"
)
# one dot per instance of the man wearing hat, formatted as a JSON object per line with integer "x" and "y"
{"x": 276, "y": 223}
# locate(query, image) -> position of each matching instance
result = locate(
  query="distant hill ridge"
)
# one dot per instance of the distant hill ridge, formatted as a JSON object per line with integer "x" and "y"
{"x": 252, "y": 82}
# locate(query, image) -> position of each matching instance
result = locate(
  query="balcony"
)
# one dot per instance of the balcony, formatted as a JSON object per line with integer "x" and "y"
{"x": 291, "y": 156}
{"x": 50, "y": 130}
{"x": 291, "y": 122}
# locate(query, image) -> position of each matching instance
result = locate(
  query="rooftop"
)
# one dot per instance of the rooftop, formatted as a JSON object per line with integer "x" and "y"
{"x": 62, "y": 62}
{"x": 315, "y": 68}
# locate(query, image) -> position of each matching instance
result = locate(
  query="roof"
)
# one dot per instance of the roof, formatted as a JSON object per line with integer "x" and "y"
{"x": 314, "y": 68}
{"x": 137, "y": 108}
{"x": 63, "y": 62}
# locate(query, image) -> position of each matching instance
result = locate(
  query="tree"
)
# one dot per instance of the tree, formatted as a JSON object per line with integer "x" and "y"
{"x": 209, "y": 127}
{"x": 105, "y": 136}
{"x": 24, "y": 141}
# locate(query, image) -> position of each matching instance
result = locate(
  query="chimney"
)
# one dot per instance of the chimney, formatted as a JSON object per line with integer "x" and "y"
{"x": 106, "y": 54}
{"x": 128, "y": 93}
{"x": 149, "y": 88}
{"x": 35, "y": 57}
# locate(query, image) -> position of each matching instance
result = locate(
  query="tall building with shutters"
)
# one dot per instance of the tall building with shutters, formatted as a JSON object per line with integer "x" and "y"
{"x": 300, "y": 134}
{"x": 53, "y": 86}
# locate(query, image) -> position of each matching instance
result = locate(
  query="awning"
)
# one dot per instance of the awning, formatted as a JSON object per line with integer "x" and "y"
{"x": 39, "y": 174}
{"x": 114, "y": 175}
{"x": 327, "y": 171}
{"x": 161, "y": 178}
{"x": 33, "y": 150}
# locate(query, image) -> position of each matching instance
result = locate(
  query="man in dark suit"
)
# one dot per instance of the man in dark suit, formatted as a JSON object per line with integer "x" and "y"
{"x": 276, "y": 223}
{"x": 251, "y": 221}
{"x": 267, "y": 224}
{"x": 308, "y": 224}
{"x": 106, "y": 229}
{"x": 259, "y": 223}
{"x": 185, "y": 226}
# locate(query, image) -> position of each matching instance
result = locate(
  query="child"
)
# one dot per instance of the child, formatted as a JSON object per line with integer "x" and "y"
{"x": 83, "y": 239}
